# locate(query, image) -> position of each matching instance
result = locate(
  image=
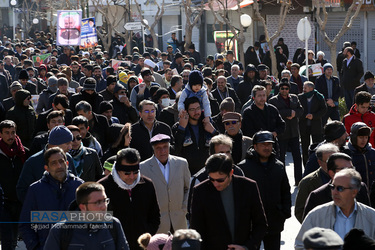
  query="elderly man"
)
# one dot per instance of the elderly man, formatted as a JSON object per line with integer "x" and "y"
{"x": 329, "y": 86}
{"x": 223, "y": 91}
{"x": 315, "y": 179}
{"x": 234, "y": 79}
{"x": 232, "y": 122}
{"x": 171, "y": 177}
{"x": 133, "y": 197}
{"x": 310, "y": 123}
{"x": 344, "y": 212}
{"x": 335, "y": 163}
{"x": 368, "y": 85}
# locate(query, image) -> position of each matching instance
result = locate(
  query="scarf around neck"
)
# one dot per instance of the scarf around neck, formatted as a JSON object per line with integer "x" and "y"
{"x": 121, "y": 183}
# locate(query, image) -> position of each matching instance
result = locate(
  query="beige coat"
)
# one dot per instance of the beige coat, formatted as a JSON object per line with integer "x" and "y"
{"x": 172, "y": 197}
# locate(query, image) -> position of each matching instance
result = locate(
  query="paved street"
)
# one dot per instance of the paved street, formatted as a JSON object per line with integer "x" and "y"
{"x": 291, "y": 225}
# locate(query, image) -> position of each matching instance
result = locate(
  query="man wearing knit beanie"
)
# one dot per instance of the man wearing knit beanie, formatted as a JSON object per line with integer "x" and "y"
{"x": 334, "y": 132}
{"x": 329, "y": 86}
{"x": 23, "y": 78}
{"x": 368, "y": 85}
{"x": 33, "y": 169}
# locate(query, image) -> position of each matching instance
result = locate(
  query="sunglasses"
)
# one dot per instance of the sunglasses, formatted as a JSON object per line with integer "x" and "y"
{"x": 130, "y": 172}
{"x": 338, "y": 188}
{"x": 231, "y": 122}
{"x": 284, "y": 88}
{"x": 220, "y": 180}
{"x": 77, "y": 138}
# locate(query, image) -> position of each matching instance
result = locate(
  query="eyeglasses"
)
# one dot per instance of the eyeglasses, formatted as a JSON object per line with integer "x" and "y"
{"x": 130, "y": 172}
{"x": 149, "y": 111}
{"x": 338, "y": 188}
{"x": 100, "y": 202}
{"x": 195, "y": 109}
{"x": 284, "y": 88}
{"x": 77, "y": 138}
{"x": 220, "y": 180}
{"x": 231, "y": 122}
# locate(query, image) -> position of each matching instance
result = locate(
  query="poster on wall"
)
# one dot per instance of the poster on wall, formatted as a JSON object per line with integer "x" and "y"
{"x": 225, "y": 41}
{"x": 89, "y": 36}
{"x": 68, "y": 27}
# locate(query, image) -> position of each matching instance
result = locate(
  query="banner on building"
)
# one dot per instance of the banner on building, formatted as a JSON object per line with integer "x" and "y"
{"x": 225, "y": 41}
{"x": 41, "y": 59}
{"x": 68, "y": 27}
{"x": 89, "y": 36}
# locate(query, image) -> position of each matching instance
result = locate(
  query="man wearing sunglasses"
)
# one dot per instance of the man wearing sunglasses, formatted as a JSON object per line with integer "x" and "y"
{"x": 86, "y": 160}
{"x": 335, "y": 163}
{"x": 344, "y": 212}
{"x": 91, "y": 199}
{"x": 290, "y": 110}
{"x": 262, "y": 166}
{"x": 133, "y": 197}
{"x": 232, "y": 122}
{"x": 226, "y": 209}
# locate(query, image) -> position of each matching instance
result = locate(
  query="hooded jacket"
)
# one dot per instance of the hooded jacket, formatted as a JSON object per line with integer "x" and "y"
{"x": 246, "y": 86}
{"x": 24, "y": 117}
{"x": 354, "y": 116}
{"x": 363, "y": 159}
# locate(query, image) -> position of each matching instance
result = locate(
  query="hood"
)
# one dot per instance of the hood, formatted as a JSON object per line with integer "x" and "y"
{"x": 356, "y": 150}
{"x": 354, "y": 111}
{"x": 21, "y": 95}
{"x": 358, "y": 129}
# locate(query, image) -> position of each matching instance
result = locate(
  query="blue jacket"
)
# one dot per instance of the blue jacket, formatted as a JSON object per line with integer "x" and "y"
{"x": 33, "y": 170}
{"x": 46, "y": 194}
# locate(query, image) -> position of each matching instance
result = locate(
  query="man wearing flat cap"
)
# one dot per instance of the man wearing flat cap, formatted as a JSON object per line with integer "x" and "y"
{"x": 262, "y": 166}
{"x": 232, "y": 123}
{"x": 133, "y": 197}
{"x": 171, "y": 177}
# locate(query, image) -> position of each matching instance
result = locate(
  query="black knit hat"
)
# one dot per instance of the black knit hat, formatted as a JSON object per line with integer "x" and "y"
{"x": 368, "y": 75}
{"x": 195, "y": 78}
{"x": 104, "y": 106}
{"x": 23, "y": 75}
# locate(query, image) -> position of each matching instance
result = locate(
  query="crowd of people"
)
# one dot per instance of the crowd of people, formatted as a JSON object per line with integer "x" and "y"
{"x": 169, "y": 143}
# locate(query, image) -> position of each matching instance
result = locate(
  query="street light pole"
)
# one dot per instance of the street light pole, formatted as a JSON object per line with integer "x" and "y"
{"x": 13, "y": 3}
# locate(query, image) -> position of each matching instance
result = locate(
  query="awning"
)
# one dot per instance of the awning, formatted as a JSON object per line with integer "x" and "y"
{"x": 227, "y": 4}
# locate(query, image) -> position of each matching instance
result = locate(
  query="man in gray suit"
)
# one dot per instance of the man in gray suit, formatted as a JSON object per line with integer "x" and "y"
{"x": 171, "y": 177}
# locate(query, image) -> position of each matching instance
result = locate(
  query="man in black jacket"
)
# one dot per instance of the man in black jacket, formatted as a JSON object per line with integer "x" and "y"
{"x": 98, "y": 124}
{"x": 12, "y": 157}
{"x": 368, "y": 85}
{"x": 226, "y": 209}
{"x": 261, "y": 115}
{"x": 122, "y": 108}
{"x": 290, "y": 110}
{"x": 223, "y": 91}
{"x": 192, "y": 135}
{"x": 329, "y": 86}
{"x": 352, "y": 72}
{"x": 310, "y": 123}
{"x": 143, "y": 130}
{"x": 262, "y": 166}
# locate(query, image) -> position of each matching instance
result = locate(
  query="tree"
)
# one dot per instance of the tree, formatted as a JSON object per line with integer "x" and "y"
{"x": 238, "y": 34}
{"x": 285, "y": 6}
{"x": 193, "y": 14}
{"x": 113, "y": 16}
{"x": 158, "y": 16}
{"x": 351, "y": 14}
